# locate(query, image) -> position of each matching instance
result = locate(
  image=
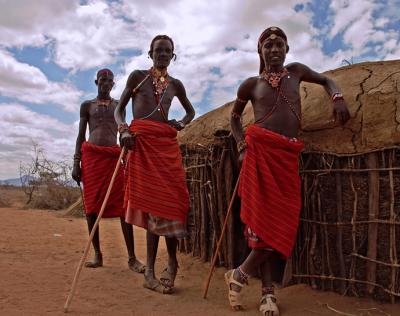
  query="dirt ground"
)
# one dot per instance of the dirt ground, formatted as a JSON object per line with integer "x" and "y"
{"x": 40, "y": 250}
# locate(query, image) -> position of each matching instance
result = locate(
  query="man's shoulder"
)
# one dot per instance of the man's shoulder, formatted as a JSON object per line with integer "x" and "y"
{"x": 139, "y": 73}
{"x": 250, "y": 82}
{"x": 174, "y": 80}
{"x": 295, "y": 66}
{"x": 88, "y": 102}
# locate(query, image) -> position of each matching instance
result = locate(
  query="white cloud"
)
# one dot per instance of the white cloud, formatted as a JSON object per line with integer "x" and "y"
{"x": 216, "y": 44}
{"x": 21, "y": 127}
{"x": 27, "y": 83}
{"x": 202, "y": 36}
{"x": 23, "y": 23}
{"x": 361, "y": 27}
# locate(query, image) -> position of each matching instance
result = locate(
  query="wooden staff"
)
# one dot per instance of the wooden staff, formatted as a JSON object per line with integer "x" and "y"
{"x": 136, "y": 89}
{"x": 96, "y": 224}
{"x": 220, "y": 238}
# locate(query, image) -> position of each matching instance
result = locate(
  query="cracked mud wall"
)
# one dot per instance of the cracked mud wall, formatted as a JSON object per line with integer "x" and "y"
{"x": 372, "y": 91}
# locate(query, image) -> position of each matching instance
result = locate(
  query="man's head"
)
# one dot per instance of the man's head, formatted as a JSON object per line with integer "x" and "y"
{"x": 161, "y": 51}
{"x": 104, "y": 80}
{"x": 272, "y": 47}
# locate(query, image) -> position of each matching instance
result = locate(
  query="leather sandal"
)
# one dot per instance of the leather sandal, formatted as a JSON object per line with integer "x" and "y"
{"x": 233, "y": 296}
{"x": 268, "y": 305}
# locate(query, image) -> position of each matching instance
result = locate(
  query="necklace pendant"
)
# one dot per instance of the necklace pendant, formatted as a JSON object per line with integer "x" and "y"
{"x": 162, "y": 79}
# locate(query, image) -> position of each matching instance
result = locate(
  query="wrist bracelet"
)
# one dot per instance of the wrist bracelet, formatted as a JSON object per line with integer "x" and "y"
{"x": 123, "y": 127}
{"x": 241, "y": 100}
{"x": 235, "y": 115}
{"x": 241, "y": 145}
{"x": 181, "y": 124}
{"x": 337, "y": 96}
{"x": 77, "y": 158}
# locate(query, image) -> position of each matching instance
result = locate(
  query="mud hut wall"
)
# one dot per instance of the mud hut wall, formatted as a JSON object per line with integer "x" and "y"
{"x": 347, "y": 238}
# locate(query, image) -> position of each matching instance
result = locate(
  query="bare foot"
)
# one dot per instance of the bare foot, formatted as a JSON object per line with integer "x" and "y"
{"x": 97, "y": 261}
{"x": 136, "y": 265}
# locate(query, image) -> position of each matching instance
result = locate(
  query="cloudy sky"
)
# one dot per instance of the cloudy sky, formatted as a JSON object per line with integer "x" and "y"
{"x": 50, "y": 51}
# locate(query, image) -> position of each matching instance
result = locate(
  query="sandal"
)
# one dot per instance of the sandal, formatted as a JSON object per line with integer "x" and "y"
{"x": 167, "y": 278}
{"x": 136, "y": 266}
{"x": 156, "y": 286}
{"x": 233, "y": 296}
{"x": 268, "y": 305}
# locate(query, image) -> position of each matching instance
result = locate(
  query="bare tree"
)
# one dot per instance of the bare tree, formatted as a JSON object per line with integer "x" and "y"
{"x": 27, "y": 171}
{"x": 47, "y": 183}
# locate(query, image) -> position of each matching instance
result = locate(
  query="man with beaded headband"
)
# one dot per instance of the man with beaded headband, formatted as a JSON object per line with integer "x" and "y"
{"x": 269, "y": 185}
{"x": 156, "y": 195}
{"x": 93, "y": 161}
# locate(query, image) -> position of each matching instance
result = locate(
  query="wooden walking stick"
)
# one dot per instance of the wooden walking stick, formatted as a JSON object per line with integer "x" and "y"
{"x": 96, "y": 224}
{"x": 220, "y": 238}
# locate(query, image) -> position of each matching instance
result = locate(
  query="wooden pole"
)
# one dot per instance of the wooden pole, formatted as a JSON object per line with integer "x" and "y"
{"x": 96, "y": 224}
{"x": 373, "y": 213}
{"x": 220, "y": 239}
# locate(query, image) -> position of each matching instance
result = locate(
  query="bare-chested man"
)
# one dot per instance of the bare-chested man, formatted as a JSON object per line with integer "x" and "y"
{"x": 156, "y": 195}
{"x": 94, "y": 163}
{"x": 269, "y": 183}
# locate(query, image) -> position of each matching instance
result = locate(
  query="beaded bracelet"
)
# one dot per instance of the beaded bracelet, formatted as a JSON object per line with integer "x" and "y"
{"x": 337, "y": 96}
{"x": 123, "y": 127}
{"x": 77, "y": 158}
{"x": 241, "y": 100}
{"x": 235, "y": 115}
{"x": 241, "y": 145}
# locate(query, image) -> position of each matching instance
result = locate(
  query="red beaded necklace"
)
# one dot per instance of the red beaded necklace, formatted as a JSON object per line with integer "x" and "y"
{"x": 160, "y": 82}
{"x": 274, "y": 78}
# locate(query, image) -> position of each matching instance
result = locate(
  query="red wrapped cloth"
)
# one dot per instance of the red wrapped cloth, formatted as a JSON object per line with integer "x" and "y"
{"x": 155, "y": 178}
{"x": 270, "y": 190}
{"x": 98, "y": 165}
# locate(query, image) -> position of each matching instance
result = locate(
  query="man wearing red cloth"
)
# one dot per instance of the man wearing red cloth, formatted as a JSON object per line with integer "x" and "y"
{"x": 156, "y": 194}
{"x": 269, "y": 185}
{"x": 94, "y": 163}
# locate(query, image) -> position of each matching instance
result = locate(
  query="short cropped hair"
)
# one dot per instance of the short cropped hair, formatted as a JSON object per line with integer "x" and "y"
{"x": 160, "y": 37}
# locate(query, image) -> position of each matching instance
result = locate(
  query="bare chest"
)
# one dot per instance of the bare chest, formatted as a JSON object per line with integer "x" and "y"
{"x": 145, "y": 101}
{"x": 102, "y": 113}
{"x": 265, "y": 95}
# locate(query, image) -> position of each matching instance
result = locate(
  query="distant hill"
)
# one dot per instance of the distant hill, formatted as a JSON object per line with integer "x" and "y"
{"x": 15, "y": 181}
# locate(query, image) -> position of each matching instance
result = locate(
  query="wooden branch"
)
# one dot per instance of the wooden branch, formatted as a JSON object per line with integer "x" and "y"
{"x": 339, "y": 237}
{"x": 393, "y": 242}
{"x": 376, "y": 221}
{"x": 331, "y": 277}
{"x": 373, "y": 213}
{"x": 93, "y": 231}
{"x": 352, "y": 271}
{"x": 394, "y": 265}
{"x": 326, "y": 171}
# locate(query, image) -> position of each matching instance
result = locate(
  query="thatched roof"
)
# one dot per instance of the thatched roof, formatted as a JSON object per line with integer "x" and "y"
{"x": 372, "y": 91}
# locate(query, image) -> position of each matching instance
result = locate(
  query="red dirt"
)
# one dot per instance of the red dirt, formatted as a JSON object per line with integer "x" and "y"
{"x": 39, "y": 252}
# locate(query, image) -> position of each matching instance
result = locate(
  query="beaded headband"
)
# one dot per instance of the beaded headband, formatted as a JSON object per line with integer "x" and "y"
{"x": 271, "y": 32}
{"x": 104, "y": 72}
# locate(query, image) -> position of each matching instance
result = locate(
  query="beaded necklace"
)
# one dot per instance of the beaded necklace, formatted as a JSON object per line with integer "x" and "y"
{"x": 274, "y": 78}
{"x": 160, "y": 82}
